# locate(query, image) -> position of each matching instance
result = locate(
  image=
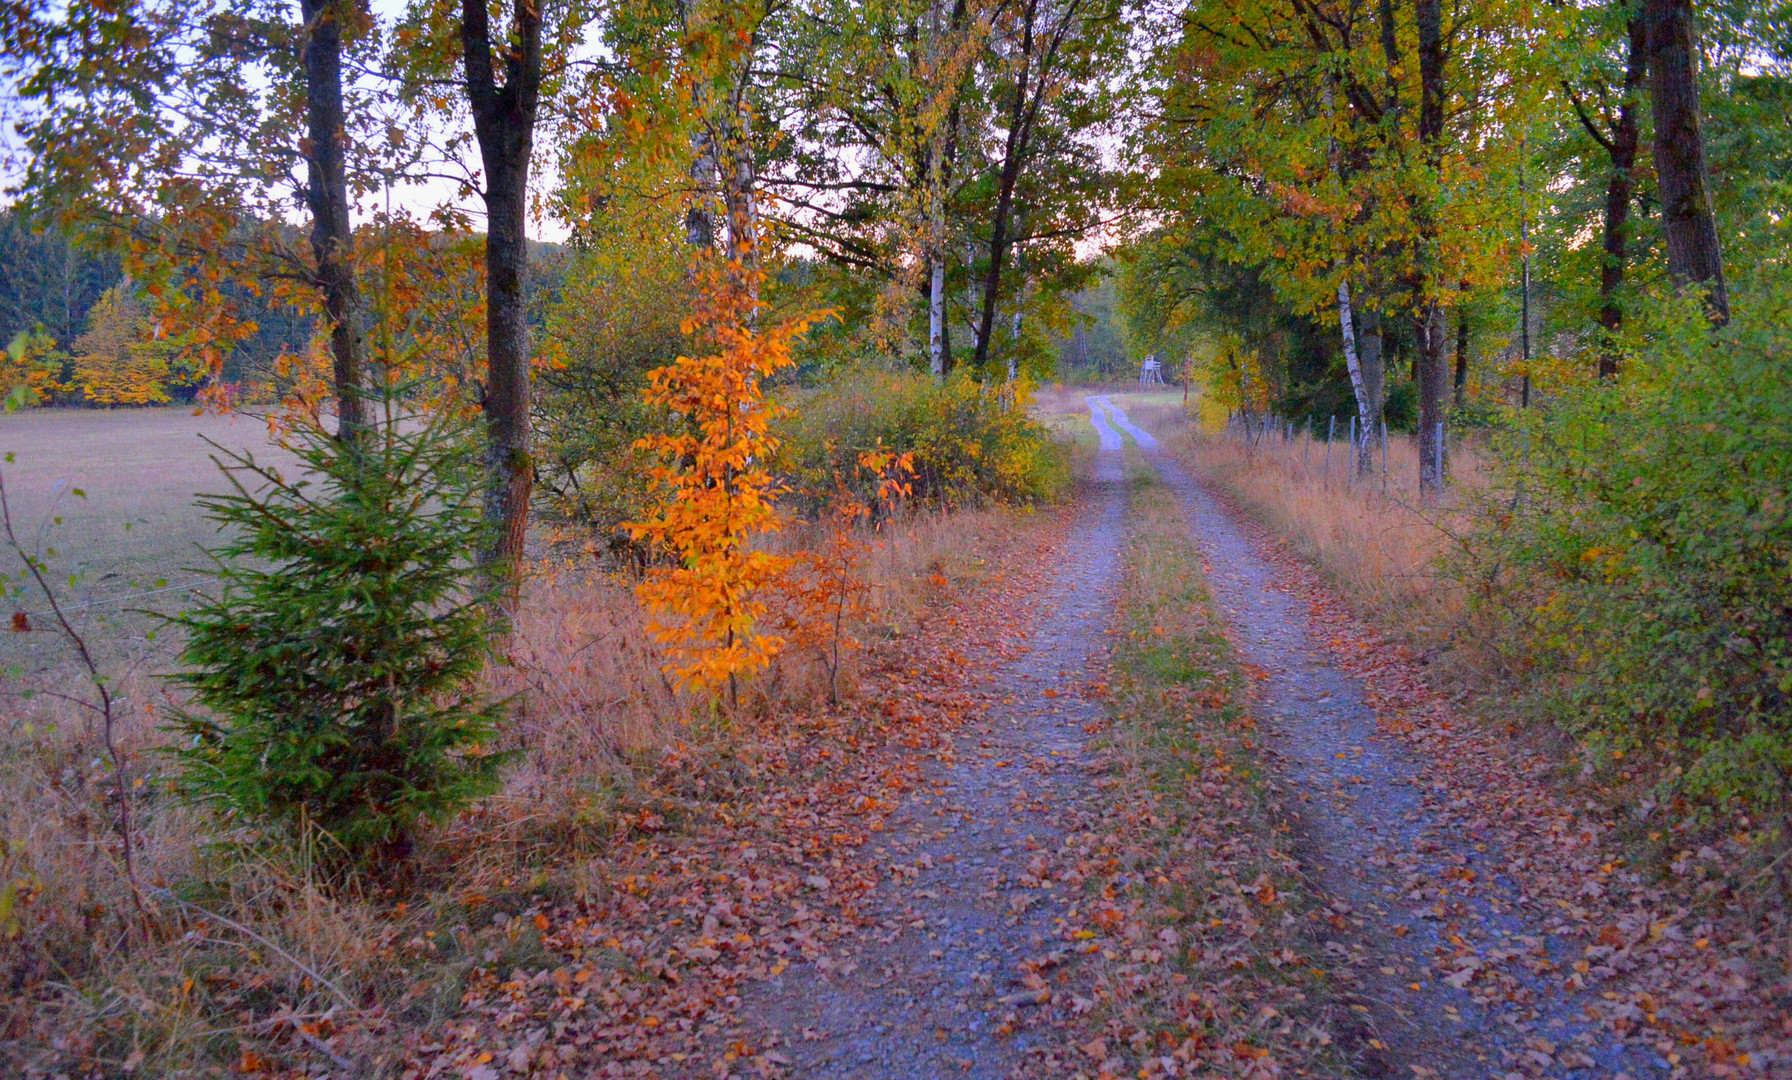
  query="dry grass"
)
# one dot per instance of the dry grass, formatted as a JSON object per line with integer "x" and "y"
{"x": 222, "y": 945}
{"x": 1370, "y": 536}
{"x": 232, "y": 953}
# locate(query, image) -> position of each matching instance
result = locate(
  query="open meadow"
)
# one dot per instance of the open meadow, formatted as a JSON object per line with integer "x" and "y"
{"x": 107, "y": 498}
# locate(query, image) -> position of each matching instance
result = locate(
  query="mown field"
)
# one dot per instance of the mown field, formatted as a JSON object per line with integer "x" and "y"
{"x": 108, "y": 499}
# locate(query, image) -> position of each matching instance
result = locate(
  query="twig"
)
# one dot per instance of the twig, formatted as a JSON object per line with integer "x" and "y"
{"x": 323, "y": 1048}
{"x": 34, "y": 567}
{"x": 277, "y": 950}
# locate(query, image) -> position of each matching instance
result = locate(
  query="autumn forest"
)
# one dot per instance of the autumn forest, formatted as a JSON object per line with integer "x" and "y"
{"x": 896, "y": 539}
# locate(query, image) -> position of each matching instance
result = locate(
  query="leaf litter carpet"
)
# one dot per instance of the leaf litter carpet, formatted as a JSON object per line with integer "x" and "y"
{"x": 913, "y": 887}
{"x": 851, "y": 893}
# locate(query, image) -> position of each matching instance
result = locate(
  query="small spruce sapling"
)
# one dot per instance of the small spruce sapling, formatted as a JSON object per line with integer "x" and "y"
{"x": 332, "y": 673}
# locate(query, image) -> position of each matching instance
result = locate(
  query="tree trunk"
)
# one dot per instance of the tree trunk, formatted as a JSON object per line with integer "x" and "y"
{"x": 948, "y": 159}
{"x": 1014, "y": 351}
{"x": 1619, "y": 192}
{"x": 1687, "y": 221}
{"x": 741, "y": 177}
{"x": 1372, "y": 358}
{"x": 936, "y": 316}
{"x": 936, "y": 215}
{"x": 504, "y": 123}
{"x": 700, "y": 217}
{"x": 1524, "y": 307}
{"x": 699, "y": 220}
{"x": 998, "y": 250}
{"x": 1368, "y": 393}
{"x": 326, "y": 196}
{"x": 1432, "y": 321}
{"x": 1013, "y": 150}
{"x": 1461, "y": 380}
{"x": 1433, "y": 329}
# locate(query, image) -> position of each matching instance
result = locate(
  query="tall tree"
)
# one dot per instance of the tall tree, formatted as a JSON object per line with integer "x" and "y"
{"x": 327, "y": 197}
{"x": 1431, "y": 317}
{"x": 1695, "y": 257}
{"x": 942, "y": 117}
{"x": 1033, "y": 48}
{"x": 504, "y": 112}
{"x": 1616, "y": 132}
{"x": 185, "y": 135}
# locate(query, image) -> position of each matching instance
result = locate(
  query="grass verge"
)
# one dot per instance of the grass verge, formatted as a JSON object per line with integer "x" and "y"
{"x": 1219, "y": 976}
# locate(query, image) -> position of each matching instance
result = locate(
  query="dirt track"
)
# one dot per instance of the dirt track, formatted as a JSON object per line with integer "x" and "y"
{"x": 936, "y": 988}
{"x": 1373, "y": 843}
{"x": 1446, "y": 955}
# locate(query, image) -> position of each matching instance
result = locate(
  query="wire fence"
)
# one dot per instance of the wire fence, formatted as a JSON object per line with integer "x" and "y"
{"x": 1340, "y": 452}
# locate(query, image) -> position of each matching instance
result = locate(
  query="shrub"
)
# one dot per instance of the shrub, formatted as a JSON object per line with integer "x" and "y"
{"x": 713, "y": 490}
{"x": 1636, "y": 552}
{"x": 970, "y": 442}
{"x": 331, "y": 675}
{"x": 618, "y": 317}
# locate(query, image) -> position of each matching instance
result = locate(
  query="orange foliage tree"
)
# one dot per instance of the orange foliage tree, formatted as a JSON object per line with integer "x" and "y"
{"x": 30, "y": 369}
{"x": 714, "y": 491}
{"x": 826, "y": 589}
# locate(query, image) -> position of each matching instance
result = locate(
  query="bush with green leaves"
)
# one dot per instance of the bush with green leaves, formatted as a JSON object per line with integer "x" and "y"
{"x": 1635, "y": 556}
{"x": 332, "y": 675}
{"x": 971, "y": 443}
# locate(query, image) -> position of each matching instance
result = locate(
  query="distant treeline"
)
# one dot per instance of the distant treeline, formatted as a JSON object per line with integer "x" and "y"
{"x": 77, "y": 333}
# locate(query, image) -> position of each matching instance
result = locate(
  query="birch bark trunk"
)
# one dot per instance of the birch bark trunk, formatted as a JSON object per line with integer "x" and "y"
{"x": 1368, "y": 394}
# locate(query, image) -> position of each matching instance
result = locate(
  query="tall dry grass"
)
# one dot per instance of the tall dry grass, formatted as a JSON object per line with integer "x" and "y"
{"x": 221, "y": 944}
{"x": 230, "y": 952}
{"x": 1370, "y": 535}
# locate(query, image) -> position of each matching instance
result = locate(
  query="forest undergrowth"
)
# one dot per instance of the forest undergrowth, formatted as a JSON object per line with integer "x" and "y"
{"x": 750, "y": 859}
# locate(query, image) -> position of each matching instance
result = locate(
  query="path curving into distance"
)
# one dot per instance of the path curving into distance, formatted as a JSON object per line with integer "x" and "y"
{"x": 928, "y": 986}
{"x": 1367, "y": 831}
{"x": 1099, "y": 404}
{"x": 1109, "y": 438}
